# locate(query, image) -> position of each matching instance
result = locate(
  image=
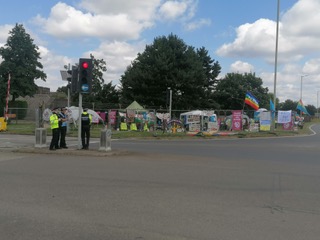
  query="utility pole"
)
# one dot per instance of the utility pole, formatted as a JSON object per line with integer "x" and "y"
{"x": 79, "y": 120}
{"x": 170, "y": 101}
{"x": 276, "y": 68}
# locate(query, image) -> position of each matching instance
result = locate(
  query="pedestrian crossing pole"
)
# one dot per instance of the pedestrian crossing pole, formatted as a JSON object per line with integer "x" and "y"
{"x": 79, "y": 121}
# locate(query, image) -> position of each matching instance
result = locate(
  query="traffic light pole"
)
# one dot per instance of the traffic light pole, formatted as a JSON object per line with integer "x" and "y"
{"x": 79, "y": 121}
{"x": 170, "y": 105}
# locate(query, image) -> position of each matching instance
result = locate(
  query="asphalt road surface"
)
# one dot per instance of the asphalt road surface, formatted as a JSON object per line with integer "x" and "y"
{"x": 221, "y": 189}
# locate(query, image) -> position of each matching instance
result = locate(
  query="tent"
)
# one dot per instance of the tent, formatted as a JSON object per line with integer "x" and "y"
{"x": 135, "y": 106}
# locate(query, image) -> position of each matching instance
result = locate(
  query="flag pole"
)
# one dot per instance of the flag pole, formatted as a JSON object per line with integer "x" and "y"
{"x": 244, "y": 104}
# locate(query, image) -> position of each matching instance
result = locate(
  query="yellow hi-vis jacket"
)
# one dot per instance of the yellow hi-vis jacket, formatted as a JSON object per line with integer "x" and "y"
{"x": 54, "y": 121}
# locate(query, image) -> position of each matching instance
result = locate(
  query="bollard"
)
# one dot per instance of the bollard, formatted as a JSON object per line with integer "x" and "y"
{"x": 41, "y": 138}
{"x": 105, "y": 140}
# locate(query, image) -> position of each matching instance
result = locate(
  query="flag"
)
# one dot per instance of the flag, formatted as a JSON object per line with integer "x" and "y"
{"x": 251, "y": 101}
{"x": 272, "y": 109}
{"x": 302, "y": 108}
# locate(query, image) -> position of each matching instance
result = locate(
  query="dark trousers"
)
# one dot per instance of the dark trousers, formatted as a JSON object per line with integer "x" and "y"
{"x": 63, "y": 132}
{"x": 55, "y": 138}
{"x": 85, "y": 136}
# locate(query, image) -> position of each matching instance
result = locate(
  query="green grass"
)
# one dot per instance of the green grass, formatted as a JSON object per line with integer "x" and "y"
{"x": 28, "y": 128}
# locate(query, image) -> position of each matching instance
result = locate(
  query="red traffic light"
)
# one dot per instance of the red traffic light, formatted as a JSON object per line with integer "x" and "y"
{"x": 85, "y": 65}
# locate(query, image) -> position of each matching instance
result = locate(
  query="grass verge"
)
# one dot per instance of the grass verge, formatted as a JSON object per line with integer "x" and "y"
{"x": 28, "y": 128}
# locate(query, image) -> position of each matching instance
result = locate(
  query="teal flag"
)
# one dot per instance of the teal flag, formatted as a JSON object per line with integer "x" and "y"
{"x": 272, "y": 109}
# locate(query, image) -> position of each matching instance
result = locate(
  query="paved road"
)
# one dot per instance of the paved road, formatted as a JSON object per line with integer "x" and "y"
{"x": 196, "y": 189}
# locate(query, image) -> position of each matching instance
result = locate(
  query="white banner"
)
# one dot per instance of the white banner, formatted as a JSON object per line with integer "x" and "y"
{"x": 284, "y": 116}
{"x": 265, "y": 116}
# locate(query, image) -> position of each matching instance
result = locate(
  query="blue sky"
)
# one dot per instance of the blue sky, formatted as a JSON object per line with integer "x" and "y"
{"x": 240, "y": 34}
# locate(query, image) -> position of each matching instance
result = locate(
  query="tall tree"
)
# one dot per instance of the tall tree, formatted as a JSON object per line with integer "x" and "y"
{"x": 312, "y": 110}
{"x": 231, "y": 91}
{"x": 21, "y": 59}
{"x": 288, "y": 105}
{"x": 211, "y": 69}
{"x": 168, "y": 63}
{"x": 108, "y": 96}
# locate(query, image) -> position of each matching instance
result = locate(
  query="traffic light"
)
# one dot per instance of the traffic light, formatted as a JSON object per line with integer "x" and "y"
{"x": 85, "y": 75}
{"x": 74, "y": 79}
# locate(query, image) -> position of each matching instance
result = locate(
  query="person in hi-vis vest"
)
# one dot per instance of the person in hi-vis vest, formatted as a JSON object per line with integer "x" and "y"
{"x": 54, "y": 123}
{"x": 86, "y": 120}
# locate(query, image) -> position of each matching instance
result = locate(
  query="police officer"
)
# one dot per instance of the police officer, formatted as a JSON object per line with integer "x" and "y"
{"x": 63, "y": 127}
{"x": 86, "y": 120}
{"x": 54, "y": 123}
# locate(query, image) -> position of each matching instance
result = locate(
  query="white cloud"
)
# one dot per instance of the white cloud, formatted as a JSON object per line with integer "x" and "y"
{"x": 298, "y": 35}
{"x": 297, "y": 54}
{"x": 4, "y": 33}
{"x": 256, "y": 40}
{"x": 178, "y": 10}
{"x": 241, "y": 67}
{"x": 66, "y": 21}
{"x": 138, "y": 10}
{"x": 197, "y": 24}
{"x": 118, "y": 55}
{"x": 312, "y": 67}
{"x": 303, "y": 19}
{"x": 173, "y": 9}
{"x": 49, "y": 61}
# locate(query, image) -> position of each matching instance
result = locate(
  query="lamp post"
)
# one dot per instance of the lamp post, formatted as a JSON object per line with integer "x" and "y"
{"x": 318, "y": 103}
{"x": 276, "y": 66}
{"x": 170, "y": 101}
{"x": 302, "y": 76}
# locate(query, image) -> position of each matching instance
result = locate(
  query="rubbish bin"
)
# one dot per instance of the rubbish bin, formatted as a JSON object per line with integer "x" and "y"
{"x": 3, "y": 124}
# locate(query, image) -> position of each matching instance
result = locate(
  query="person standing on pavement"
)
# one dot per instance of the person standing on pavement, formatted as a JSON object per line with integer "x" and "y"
{"x": 54, "y": 124}
{"x": 63, "y": 127}
{"x": 86, "y": 120}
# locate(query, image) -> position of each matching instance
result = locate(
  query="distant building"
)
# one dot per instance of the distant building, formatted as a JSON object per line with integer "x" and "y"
{"x": 43, "y": 90}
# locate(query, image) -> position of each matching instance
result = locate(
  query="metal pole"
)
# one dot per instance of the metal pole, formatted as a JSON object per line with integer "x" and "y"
{"x": 276, "y": 66}
{"x": 301, "y": 89}
{"x": 302, "y": 76}
{"x": 317, "y": 104}
{"x": 79, "y": 121}
{"x": 69, "y": 84}
{"x": 170, "y": 105}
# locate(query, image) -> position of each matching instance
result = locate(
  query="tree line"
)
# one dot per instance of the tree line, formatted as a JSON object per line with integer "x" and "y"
{"x": 167, "y": 63}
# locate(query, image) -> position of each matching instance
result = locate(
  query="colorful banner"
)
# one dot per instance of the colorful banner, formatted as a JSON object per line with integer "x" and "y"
{"x": 265, "y": 125}
{"x": 265, "y": 121}
{"x": 302, "y": 108}
{"x": 288, "y": 126}
{"x": 237, "y": 120}
{"x": 251, "y": 101}
{"x": 112, "y": 116}
{"x": 130, "y": 115}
